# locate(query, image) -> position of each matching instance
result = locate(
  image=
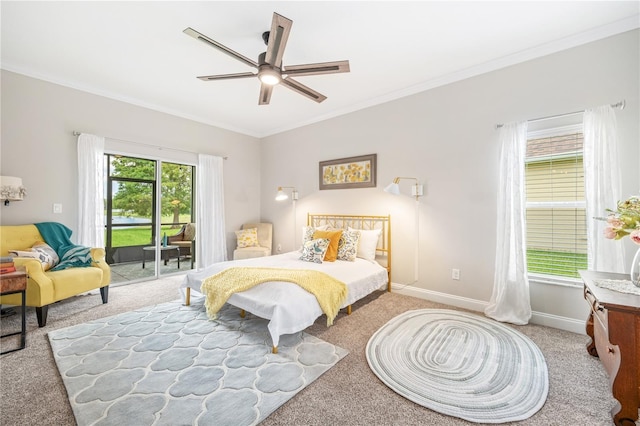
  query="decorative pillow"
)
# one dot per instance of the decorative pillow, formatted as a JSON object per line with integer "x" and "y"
{"x": 32, "y": 254}
{"x": 307, "y": 233}
{"x": 368, "y": 243}
{"x": 348, "y": 245}
{"x": 332, "y": 252}
{"x": 22, "y": 253}
{"x": 48, "y": 256}
{"x": 189, "y": 232}
{"x": 314, "y": 250}
{"x": 247, "y": 238}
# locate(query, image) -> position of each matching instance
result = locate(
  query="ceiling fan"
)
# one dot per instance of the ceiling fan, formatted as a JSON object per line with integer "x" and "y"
{"x": 270, "y": 69}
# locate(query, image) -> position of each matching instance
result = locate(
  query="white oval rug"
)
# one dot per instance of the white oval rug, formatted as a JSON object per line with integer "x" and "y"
{"x": 460, "y": 364}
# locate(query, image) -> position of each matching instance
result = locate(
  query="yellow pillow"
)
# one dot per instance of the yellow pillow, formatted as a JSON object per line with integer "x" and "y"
{"x": 334, "y": 236}
{"x": 247, "y": 238}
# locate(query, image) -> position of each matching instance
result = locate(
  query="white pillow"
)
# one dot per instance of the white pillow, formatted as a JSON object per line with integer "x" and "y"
{"x": 368, "y": 243}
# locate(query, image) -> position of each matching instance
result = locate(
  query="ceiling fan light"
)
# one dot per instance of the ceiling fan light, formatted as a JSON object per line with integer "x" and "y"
{"x": 269, "y": 77}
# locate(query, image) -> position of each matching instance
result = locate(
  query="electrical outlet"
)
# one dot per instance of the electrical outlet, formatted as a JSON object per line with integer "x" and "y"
{"x": 279, "y": 248}
{"x": 57, "y": 208}
{"x": 455, "y": 274}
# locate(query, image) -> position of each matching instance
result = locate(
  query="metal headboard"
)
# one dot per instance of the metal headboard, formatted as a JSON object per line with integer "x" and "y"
{"x": 365, "y": 222}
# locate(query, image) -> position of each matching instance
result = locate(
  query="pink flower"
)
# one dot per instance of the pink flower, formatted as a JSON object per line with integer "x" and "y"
{"x": 615, "y": 222}
{"x": 625, "y": 220}
{"x": 610, "y": 233}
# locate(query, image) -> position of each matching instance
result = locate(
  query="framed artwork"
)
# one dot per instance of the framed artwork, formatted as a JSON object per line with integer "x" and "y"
{"x": 352, "y": 172}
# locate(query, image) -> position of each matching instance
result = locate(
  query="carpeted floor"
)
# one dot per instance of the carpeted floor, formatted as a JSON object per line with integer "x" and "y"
{"x": 32, "y": 392}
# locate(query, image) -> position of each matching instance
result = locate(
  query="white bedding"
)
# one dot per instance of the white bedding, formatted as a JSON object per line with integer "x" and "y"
{"x": 288, "y": 307}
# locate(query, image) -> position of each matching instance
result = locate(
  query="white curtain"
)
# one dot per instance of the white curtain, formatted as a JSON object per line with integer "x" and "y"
{"x": 602, "y": 186}
{"x": 90, "y": 190}
{"x": 510, "y": 301}
{"x": 211, "y": 244}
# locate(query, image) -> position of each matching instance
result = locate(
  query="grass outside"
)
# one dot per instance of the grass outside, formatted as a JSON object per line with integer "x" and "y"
{"x": 556, "y": 263}
{"x": 138, "y": 236}
{"x": 141, "y": 235}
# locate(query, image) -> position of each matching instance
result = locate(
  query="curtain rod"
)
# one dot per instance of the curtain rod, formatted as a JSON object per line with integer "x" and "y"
{"x": 76, "y": 133}
{"x": 620, "y": 105}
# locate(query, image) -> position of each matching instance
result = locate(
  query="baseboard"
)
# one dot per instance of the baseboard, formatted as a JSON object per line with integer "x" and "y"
{"x": 539, "y": 318}
{"x": 555, "y": 321}
{"x": 435, "y": 296}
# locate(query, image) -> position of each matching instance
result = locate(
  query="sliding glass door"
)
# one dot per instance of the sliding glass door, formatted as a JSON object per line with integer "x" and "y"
{"x": 149, "y": 218}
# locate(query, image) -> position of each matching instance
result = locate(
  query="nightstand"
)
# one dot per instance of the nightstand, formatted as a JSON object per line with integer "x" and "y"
{"x": 11, "y": 283}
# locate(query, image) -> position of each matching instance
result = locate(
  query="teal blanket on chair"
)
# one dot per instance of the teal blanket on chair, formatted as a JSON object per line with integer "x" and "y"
{"x": 58, "y": 237}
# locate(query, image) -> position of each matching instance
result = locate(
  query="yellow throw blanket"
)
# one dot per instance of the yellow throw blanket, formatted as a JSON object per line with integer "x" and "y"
{"x": 330, "y": 292}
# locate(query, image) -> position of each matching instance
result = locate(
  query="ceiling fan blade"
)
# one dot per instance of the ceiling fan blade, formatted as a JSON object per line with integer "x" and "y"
{"x": 227, "y": 76}
{"x": 278, "y": 36}
{"x": 265, "y": 94}
{"x": 199, "y": 36}
{"x": 303, "y": 90}
{"x": 320, "y": 68}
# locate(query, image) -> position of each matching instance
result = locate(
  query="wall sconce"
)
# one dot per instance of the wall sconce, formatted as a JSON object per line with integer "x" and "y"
{"x": 281, "y": 196}
{"x": 11, "y": 189}
{"x": 394, "y": 187}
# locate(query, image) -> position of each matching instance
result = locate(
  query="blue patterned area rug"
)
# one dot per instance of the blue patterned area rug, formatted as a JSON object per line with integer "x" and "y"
{"x": 460, "y": 364}
{"x": 169, "y": 364}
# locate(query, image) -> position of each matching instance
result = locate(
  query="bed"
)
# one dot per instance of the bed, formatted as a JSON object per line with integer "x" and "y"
{"x": 287, "y": 306}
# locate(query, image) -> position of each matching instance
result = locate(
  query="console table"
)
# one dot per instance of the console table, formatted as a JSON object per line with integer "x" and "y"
{"x": 614, "y": 328}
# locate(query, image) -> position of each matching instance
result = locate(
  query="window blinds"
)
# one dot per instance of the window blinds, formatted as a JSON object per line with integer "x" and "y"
{"x": 556, "y": 222}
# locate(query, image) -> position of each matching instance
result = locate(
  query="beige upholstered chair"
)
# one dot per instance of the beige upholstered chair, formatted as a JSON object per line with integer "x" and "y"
{"x": 185, "y": 240}
{"x": 265, "y": 236}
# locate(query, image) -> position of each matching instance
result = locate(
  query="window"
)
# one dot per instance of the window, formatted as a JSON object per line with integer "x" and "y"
{"x": 555, "y": 210}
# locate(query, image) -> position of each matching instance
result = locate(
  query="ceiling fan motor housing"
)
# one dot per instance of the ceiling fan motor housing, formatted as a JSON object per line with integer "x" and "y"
{"x": 262, "y": 58}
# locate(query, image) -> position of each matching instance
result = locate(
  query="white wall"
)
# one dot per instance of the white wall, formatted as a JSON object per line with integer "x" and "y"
{"x": 446, "y": 138}
{"x": 38, "y": 120}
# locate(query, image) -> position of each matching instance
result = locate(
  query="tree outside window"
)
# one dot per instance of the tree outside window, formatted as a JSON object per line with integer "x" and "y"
{"x": 133, "y": 197}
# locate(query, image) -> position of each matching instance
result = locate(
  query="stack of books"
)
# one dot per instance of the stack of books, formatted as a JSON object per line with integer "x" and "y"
{"x": 7, "y": 265}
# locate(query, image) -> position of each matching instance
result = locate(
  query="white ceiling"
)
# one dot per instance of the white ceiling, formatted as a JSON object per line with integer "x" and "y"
{"x": 137, "y": 52}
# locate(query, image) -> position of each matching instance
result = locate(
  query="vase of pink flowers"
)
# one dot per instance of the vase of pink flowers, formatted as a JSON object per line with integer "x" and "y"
{"x": 623, "y": 221}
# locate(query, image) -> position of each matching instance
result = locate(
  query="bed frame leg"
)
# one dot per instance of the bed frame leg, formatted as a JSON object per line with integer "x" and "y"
{"x": 349, "y": 310}
{"x": 274, "y": 350}
{"x": 242, "y": 313}
{"x": 187, "y": 300}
